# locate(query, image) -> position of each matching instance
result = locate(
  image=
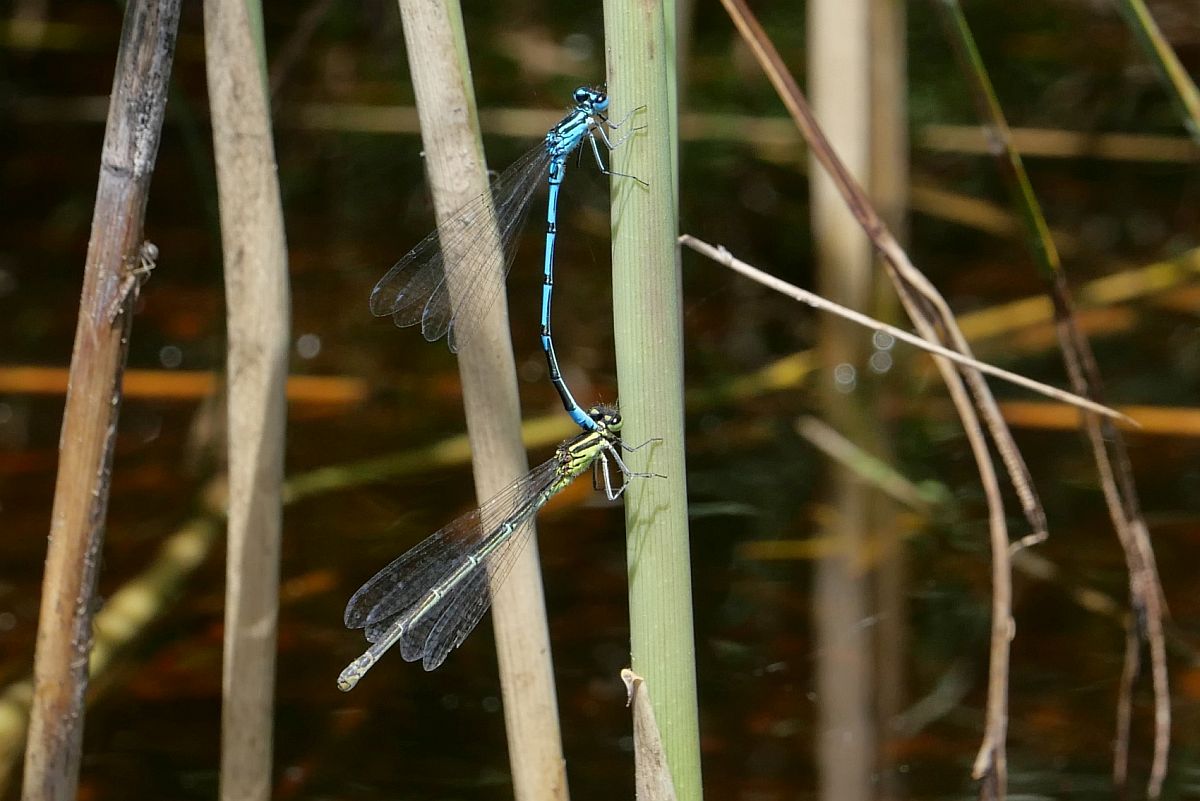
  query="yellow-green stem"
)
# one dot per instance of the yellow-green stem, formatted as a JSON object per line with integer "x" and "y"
{"x": 1175, "y": 77}
{"x": 646, "y": 311}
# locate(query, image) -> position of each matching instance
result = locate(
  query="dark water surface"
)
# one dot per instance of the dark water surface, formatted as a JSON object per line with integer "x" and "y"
{"x": 355, "y": 202}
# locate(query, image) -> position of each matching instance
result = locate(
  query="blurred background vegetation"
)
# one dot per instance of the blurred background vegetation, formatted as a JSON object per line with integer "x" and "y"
{"x": 1119, "y": 183}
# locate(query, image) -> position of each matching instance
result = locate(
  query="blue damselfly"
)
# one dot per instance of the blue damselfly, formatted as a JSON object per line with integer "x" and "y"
{"x": 462, "y": 250}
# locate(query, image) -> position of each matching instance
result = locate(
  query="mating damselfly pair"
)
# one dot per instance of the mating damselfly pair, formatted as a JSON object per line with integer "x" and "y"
{"x": 430, "y": 598}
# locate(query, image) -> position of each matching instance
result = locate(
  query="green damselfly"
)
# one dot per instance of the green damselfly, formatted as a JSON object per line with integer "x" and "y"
{"x": 430, "y": 598}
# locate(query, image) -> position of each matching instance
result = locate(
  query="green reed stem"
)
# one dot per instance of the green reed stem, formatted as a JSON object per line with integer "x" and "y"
{"x": 1175, "y": 78}
{"x": 648, "y": 323}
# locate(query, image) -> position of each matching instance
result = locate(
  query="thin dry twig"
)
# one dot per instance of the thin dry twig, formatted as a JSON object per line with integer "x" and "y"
{"x": 922, "y": 301}
{"x": 722, "y": 256}
{"x": 1108, "y": 446}
{"x": 934, "y": 320}
{"x": 64, "y": 636}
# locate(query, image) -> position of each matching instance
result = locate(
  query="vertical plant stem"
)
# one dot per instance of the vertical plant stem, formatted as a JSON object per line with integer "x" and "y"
{"x": 437, "y": 56}
{"x": 889, "y": 175}
{"x": 102, "y": 333}
{"x": 648, "y": 323}
{"x": 838, "y": 78}
{"x": 256, "y": 298}
{"x": 1175, "y": 78}
{"x": 889, "y": 188}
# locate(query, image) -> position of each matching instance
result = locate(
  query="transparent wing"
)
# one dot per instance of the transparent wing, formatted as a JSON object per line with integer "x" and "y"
{"x": 432, "y": 631}
{"x": 436, "y": 634}
{"x": 462, "y": 252}
{"x": 394, "y": 591}
{"x": 458, "y": 612}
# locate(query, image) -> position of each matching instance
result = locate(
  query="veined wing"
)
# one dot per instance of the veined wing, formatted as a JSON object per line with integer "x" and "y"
{"x": 462, "y": 251}
{"x": 434, "y": 624}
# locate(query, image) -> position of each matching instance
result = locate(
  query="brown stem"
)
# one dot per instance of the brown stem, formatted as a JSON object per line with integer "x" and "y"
{"x": 131, "y": 140}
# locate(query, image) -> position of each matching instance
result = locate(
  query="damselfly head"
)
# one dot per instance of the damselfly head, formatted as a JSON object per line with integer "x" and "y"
{"x": 607, "y": 418}
{"x": 590, "y": 99}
